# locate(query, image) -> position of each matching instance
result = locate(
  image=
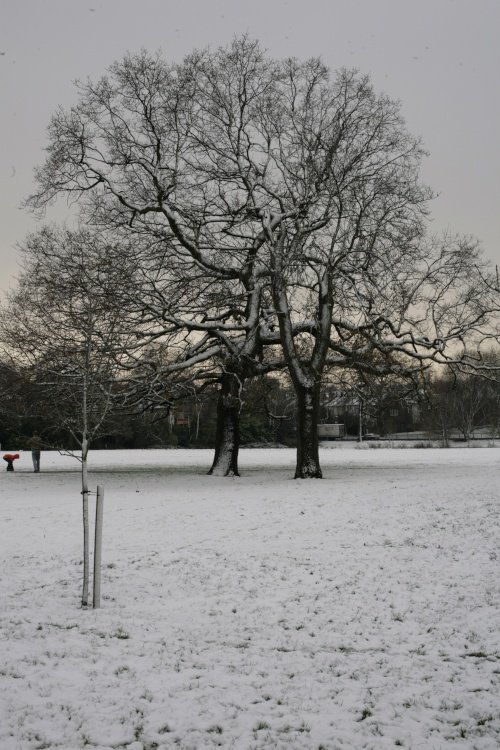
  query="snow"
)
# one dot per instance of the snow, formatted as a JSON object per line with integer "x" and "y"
{"x": 356, "y": 611}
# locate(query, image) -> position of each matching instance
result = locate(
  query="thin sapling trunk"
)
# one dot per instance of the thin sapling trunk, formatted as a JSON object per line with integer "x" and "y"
{"x": 85, "y": 509}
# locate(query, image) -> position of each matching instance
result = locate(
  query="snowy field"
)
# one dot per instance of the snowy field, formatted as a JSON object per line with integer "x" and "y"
{"x": 360, "y": 611}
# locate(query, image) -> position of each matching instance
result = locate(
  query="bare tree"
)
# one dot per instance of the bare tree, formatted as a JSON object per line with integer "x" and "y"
{"x": 469, "y": 398}
{"x": 174, "y": 152}
{"x": 282, "y": 198}
{"x": 464, "y": 401}
{"x": 65, "y": 334}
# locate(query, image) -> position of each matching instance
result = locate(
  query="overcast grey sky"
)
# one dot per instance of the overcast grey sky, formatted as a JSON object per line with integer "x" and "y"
{"x": 441, "y": 58}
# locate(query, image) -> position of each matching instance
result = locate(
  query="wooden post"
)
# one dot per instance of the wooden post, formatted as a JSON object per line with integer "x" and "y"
{"x": 98, "y": 546}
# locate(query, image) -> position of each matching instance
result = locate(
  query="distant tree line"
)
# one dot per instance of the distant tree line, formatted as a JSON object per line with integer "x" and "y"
{"x": 445, "y": 406}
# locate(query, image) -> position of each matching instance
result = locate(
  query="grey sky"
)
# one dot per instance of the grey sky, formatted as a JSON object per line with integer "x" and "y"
{"x": 441, "y": 58}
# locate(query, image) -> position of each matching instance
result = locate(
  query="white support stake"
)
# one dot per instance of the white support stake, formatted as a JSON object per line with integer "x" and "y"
{"x": 98, "y": 546}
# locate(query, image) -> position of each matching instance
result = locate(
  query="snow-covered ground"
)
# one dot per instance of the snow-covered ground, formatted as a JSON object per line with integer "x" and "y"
{"x": 360, "y": 611}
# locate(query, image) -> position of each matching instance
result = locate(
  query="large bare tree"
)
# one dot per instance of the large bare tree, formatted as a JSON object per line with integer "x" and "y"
{"x": 177, "y": 153}
{"x": 282, "y": 197}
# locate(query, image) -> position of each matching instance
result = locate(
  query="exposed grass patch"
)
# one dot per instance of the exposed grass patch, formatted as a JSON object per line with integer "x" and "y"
{"x": 215, "y": 729}
{"x": 260, "y": 726}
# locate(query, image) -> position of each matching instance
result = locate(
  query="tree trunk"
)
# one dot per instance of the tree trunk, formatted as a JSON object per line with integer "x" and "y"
{"x": 307, "y": 433}
{"x": 85, "y": 508}
{"x": 227, "y": 435}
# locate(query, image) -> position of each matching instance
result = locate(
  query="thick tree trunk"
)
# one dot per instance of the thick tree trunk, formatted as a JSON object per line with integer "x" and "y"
{"x": 227, "y": 435}
{"x": 307, "y": 433}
